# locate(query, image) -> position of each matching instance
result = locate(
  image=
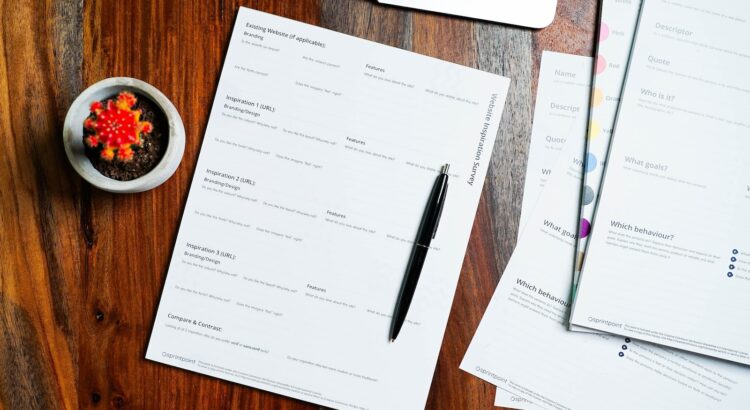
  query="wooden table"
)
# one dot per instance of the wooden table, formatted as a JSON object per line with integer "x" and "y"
{"x": 81, "y": 270}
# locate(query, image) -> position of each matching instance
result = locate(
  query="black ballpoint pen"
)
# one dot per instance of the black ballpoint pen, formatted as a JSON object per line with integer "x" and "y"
{"x": 425, "y": 234}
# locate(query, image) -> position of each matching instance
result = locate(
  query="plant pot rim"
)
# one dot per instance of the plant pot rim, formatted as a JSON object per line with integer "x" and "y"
{"x": 73, "y": 136}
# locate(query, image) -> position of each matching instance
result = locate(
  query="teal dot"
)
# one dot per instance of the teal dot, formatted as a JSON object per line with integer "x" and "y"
{"x": 588, "y": 195}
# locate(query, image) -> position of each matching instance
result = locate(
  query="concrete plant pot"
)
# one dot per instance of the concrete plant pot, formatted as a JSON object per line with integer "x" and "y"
{"x": 76, "y": 150}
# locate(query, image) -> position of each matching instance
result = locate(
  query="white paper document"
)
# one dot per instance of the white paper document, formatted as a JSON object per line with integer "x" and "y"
{"x": 315, "y": 169}
{"x": 560, "y": 114}
{"x": 523, "y": 345}
{"x": 616, "y": 32}
{"x": 669, "y": 258}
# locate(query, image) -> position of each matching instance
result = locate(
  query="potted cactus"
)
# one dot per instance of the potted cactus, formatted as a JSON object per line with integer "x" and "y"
{"x": 120, "y": 138}
{"x": 123, "y": 135}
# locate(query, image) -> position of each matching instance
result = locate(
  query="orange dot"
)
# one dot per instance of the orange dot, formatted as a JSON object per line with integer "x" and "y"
{"x": 597, "y": 98}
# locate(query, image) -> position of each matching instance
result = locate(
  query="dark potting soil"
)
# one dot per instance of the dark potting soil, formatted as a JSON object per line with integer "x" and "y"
{"x": 147, "y": 156}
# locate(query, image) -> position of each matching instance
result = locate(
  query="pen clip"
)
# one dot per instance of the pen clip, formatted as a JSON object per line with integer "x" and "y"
{"x": 443, "y": 171}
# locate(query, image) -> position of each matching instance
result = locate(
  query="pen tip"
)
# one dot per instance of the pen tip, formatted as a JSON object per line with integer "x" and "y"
{"x": 392, "y": 339}
{"x": 445, "y": 169}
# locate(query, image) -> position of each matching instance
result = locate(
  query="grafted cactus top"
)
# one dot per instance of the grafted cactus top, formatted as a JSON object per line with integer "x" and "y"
{"x": 116, "y": 127}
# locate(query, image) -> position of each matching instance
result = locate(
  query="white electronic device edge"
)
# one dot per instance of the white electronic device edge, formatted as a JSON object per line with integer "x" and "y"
{"x": 527, "y": 13}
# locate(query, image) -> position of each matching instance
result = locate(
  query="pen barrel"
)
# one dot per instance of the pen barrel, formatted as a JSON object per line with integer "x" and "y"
{"x": 409, "y": 285}
{"x": 433, "y": 211}
{"x": 427, "y": 228}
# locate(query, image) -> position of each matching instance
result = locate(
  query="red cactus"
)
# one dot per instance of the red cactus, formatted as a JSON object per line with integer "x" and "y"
{"x": 116, "y": 127}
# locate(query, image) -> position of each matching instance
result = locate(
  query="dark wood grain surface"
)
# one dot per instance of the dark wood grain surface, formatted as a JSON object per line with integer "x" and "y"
{"x": 81, "y": 270}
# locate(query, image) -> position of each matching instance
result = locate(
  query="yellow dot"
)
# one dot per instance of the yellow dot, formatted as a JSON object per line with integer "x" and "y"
{"x": 594, "y": 130}
{"x": 597, "y": 97}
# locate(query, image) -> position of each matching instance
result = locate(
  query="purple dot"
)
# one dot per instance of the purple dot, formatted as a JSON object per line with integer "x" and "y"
{"x": 585, "y": 228}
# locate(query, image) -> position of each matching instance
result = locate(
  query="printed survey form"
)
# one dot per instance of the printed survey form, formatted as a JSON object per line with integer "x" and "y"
{"x": 669, "y": 256}
{"x": 316, "y": 165}
{"x": 523, "y": 344}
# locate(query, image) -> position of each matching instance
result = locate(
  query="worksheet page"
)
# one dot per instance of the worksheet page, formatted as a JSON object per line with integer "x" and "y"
{"x": 560, "y": 114}
{"x": 669, "y": 258}
{"x": 523, "y": 344}
{"x": 616, "y": 32}
{"x": 316, "y": 165}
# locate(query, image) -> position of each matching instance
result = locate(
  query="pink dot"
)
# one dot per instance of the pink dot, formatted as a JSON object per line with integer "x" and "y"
{"x": 603, "y": 32}
{"x": 601, "y": 64}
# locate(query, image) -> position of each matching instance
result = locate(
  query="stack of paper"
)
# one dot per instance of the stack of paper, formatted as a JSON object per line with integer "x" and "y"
{"x": 664, "y": 285}
{"x": 670, "y": 262}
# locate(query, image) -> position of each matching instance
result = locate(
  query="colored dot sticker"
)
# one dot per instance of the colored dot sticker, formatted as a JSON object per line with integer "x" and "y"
{"x": 585, "y": 228}
{"x": 601, "y": 64}
{"x": 588, "y": 195}
{"x": 579, "y": 266}
{"x": 594, "y": 130}
{"x": 603, "y": 32}
{"x": 598, "y": 96}
{"x": 590, "y": 162}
